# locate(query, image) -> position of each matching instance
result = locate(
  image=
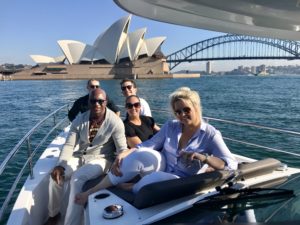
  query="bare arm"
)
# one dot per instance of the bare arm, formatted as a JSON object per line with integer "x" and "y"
{"x": 156, "y": 128}
{"x": 133, "y": 141}
{"x": 214, "y": 162}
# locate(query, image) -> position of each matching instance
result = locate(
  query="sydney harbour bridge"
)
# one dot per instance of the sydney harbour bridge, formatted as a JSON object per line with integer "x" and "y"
{"x": 236, "y": 47}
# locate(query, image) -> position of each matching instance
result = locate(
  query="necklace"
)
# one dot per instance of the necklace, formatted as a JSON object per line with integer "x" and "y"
{"x": 95, "y": 124}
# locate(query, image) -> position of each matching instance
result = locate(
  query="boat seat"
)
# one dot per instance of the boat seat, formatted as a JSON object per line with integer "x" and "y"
{"x": 124, "y": 194}
{"x": 164, "y": 191}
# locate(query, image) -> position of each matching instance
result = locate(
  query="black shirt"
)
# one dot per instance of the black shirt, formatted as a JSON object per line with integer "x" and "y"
{"x": 82, "y": 105}
{"x": 144, "y": 131}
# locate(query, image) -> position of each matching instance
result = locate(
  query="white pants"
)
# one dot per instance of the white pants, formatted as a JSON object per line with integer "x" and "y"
{"x": 148, "y": 163}
{"x": 78, "y": 178}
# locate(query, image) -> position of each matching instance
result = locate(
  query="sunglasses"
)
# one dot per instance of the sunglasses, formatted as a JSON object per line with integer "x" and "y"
{"x": 135, "y": 105}
{"x": 94, "y": 86}
{"x": 185, "y": 110}
{"x": 126, "y": 87}
{"x": 99, "y": 101}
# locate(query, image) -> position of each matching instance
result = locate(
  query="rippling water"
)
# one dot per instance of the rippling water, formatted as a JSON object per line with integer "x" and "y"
{"x": 271, "y": 101}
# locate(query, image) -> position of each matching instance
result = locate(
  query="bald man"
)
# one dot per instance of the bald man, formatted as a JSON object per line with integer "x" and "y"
{"x": 101, "y": 136}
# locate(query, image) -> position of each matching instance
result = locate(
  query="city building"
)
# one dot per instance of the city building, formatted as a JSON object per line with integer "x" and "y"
{"x": 208, "y": 67}
{"x": 112, "y": 46}
{"x": 115, "y": 53}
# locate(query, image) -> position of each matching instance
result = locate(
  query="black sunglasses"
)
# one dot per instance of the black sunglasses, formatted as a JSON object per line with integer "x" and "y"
{"x": 99, "y": 101}
{"x": 185, "y": 110}
{"x": 126, "y": 87}
{"x": 135, "y": 105}
{"x": 94, "y": 86}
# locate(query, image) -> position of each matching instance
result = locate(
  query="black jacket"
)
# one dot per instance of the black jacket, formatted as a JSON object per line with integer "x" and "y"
{"x": 82, "y": 105}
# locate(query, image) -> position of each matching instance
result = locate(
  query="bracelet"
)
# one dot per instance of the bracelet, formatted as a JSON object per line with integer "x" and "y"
{"x": 206, "y": 158}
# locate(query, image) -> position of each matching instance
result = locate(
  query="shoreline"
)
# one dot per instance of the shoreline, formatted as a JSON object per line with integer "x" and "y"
{"x": 142, "y": 69}
{"x": 63, "y": 76}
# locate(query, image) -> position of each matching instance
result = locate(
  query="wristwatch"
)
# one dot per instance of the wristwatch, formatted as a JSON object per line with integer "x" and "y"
{"x": 206, "y": 158}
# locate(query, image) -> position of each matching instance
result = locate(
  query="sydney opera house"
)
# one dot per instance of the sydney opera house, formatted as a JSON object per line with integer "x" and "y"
{"x": 115, "y": 53}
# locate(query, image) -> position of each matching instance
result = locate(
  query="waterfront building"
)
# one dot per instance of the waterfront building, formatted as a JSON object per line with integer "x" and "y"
{"x": 208, "y": 67}
{"x": 115, "y": 53}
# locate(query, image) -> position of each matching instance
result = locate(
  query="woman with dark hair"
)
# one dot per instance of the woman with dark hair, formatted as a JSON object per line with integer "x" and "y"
{"x": 138, "y": 128}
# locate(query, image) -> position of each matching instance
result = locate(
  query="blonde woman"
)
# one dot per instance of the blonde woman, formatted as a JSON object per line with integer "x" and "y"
{"x": 188, "y": 147}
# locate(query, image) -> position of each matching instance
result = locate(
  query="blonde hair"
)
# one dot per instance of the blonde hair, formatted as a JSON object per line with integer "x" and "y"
{"x": 186, "y": 94}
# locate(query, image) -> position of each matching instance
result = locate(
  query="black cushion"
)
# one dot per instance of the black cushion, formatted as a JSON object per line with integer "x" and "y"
{"x": 164, "y": 191}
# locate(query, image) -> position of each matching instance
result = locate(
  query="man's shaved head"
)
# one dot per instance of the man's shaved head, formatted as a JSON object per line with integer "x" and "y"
{"x": 97, "y": 102}
{"x": 96, "y": 92}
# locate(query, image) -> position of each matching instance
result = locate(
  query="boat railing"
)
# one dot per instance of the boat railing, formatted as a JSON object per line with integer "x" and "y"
{"x": 248, "y": 126}
{"x": 160, "y": 116}
{"x": 252, "y": 125}
{"x": 57, "y": 119}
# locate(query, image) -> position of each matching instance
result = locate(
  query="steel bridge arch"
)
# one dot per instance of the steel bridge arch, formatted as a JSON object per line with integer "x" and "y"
{"x": 185, "y": 54}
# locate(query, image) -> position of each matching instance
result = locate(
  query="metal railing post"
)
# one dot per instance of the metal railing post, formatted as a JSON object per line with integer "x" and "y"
{"x": 30, "y": 158}
{"x": 54, "y": 120}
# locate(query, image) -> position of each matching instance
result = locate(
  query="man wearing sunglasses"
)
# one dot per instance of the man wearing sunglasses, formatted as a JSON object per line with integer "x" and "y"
{"x": 129, "y": 88}
{"x": 81, "y": 104}
{"x": 100, "y": 134}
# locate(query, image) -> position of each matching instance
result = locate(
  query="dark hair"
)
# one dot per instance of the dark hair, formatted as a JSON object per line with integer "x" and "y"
{"x": 126, "y": 116}
{"x": 131, "y": 96}
{"x": 128, "y": 80}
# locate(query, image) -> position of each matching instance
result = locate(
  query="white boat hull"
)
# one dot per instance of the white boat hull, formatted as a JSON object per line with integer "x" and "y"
{"x": 31, "y": 206}
{"x": 132, "y": 215}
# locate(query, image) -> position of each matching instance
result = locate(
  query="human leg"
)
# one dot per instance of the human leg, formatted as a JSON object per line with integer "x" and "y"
{"x": 140, "y": 162}
{"x": 59, "y": 194}
{"x": 56, "y": 193}
{"x": 152, "y": 178}
{"x": 88, "y": 171}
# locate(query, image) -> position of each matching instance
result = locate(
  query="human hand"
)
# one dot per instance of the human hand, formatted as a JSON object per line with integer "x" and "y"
{"x": 209, "y": 169}
{"x": 81, "y": 198}
{"x": 58, "y": 175}
{"x": 115, "y": 168}
{"x": 187, "y": 157}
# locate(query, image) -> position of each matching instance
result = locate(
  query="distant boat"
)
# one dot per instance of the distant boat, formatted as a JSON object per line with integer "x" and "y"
{"x": 262, "y": 73}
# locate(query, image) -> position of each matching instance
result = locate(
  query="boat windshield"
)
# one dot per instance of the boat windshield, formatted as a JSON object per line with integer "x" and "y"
{"x": 275, "y": 209}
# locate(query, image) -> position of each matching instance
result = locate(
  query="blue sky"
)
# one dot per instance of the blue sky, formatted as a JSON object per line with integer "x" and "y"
{"x": 34, "y": 26}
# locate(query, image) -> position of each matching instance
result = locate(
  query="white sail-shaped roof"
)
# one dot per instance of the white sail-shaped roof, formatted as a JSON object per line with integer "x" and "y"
{"x": 136, "y": 42}
{"x": 91, "y": 54}
{"x": 72, "y": 49}
{"x": 76, "y": 51}
{"x": 88, "y": 53}
{"x": 39, "y": 59}
{"x": 110, "y": 42}
{"x": 60, "y": 59}
{"x": 97, "y": 55}
{"x": 98, "y": 40}
{"x": 112, "y": 45}
{"x": 143, "y": 49}
{"x": 153, "y": 44}
{"x": 125, "y": 50}
{"x": 133, "y": 44}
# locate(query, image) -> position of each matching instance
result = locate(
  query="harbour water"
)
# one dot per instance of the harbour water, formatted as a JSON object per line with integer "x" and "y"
{"x": 269, "y": 101}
